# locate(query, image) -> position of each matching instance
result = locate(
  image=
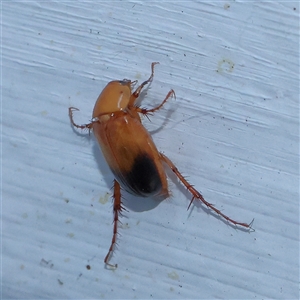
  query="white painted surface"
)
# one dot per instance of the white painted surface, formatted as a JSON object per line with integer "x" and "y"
{"x": 233, "y": 131}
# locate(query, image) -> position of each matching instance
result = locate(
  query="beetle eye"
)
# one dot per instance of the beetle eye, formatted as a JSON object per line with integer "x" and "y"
{"x": 125, "y": 81}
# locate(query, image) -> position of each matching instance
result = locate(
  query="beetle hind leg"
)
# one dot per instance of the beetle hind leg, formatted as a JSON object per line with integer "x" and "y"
{"x": 137, "y": 92}
{"x": 197, "y": 195}
{"x": 117, "y": 211}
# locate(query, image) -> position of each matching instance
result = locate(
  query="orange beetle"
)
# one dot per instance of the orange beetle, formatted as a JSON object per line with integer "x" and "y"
{"x": 129, "y": 149}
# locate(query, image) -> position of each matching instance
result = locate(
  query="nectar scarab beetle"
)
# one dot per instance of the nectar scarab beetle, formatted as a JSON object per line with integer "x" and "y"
{"x": 129, "y": 149}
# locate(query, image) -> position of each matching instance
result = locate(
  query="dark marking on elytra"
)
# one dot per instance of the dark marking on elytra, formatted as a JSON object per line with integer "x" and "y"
{"x": 143, "y": 179}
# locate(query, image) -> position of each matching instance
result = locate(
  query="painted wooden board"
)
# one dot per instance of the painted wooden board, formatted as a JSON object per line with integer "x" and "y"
{"x": 233, "y": 130}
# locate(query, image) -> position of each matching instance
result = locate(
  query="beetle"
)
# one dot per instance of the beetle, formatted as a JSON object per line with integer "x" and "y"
{"x": 130, "y": 151}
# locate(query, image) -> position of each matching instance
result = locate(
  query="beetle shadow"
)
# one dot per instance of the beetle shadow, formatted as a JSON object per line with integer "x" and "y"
{"x": 164, "y": 123}
{"x": 130, "y": 202}
{"x": 141, "y": 204}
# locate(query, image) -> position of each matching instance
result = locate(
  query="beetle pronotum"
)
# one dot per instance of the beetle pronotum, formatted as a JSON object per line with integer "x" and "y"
{"x": 129, "y": 149}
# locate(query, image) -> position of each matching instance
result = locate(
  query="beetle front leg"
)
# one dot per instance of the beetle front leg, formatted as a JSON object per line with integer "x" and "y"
{"x": 137, "y": 92}
{"x": 85, "y": 126}
{"x": 117, "y": 210}
{"x": 197, "y": 195}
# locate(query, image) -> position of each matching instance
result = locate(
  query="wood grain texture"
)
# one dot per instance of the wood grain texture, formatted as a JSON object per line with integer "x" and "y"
{"x": 233, "y": 130}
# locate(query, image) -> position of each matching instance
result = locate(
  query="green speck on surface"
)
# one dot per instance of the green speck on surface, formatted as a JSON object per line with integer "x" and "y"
{"x": 104, "y": 199}
{"x": 173, "y": 275}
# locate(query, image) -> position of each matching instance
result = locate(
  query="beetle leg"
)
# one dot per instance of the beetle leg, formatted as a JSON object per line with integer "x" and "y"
{"x": 146, "y": 111}
{"x": 137, "y": 92}
{"x": 88, "y": 126}
{"x": 117, "y": 209}
{"x": 197, "y": 195}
